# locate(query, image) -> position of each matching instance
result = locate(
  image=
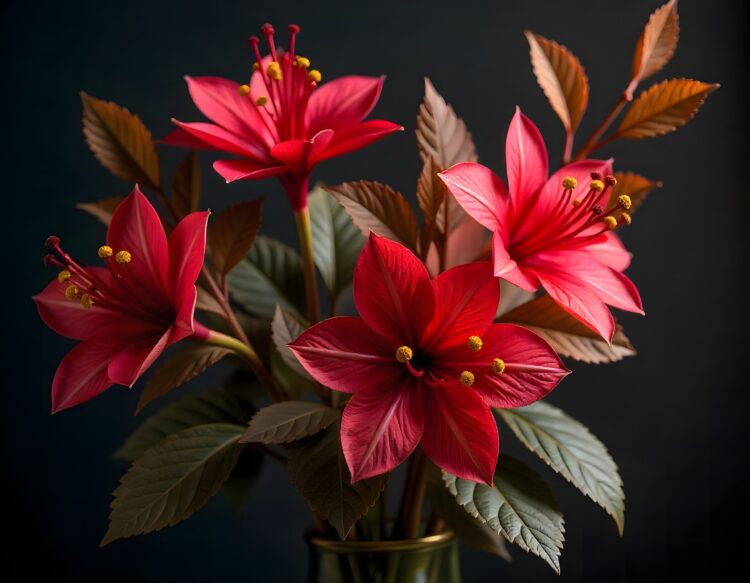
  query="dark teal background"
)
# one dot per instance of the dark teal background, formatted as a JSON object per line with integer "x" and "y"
{"x": 674, "y": 417}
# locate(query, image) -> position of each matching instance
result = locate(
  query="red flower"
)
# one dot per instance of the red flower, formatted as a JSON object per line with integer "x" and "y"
{"x": 127, "y": 312}
{"x": 424, "y": 364}
{"x": 544, "y": 234}
{"x": 282, "y": 123}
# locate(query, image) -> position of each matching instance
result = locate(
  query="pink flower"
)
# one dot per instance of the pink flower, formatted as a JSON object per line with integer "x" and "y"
{"x": 282, "y": 123}
{"x": 424, "y": 364}
{"x": 129, "y": 311}
{"x": 545, "y": 235}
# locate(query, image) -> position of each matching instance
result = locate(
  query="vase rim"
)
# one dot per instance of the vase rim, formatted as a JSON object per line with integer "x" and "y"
{"x": 383, "y": 546}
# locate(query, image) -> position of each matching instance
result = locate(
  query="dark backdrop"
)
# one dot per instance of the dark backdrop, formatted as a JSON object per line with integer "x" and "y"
{"x": 672, "y": 417}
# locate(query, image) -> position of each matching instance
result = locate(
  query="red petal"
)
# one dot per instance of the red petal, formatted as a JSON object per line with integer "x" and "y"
{"x": 345, "y": 355}
{"x": 232, "y": 170}
{"x": 216, "y": 138}
{"x": 506, "y": 268}
{"x": 460, "y": 434}
{"x": 342, "y": 102}
{"x": 381, "y": 427}
{"x": 466, "y": 299}
{"x": 133, "y": 360}
{"x": 480, "y": 192}
{"x": 82, "y": 374}
{"x": 393, "y": 291}
{"x": 300, "y": 155}
{"x": 525, "y": 158}
{"x": 356, "y": 137}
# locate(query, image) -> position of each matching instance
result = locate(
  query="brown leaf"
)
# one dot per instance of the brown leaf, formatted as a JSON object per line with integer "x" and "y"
{"x": 102, "y": 209}
{"x": 635, "y": 186}
{"x": 431, "y": 190}
{"x": 377, "y": 207}
{"x": 663, "y": 108}
{"x": 566, "y": 335}
{"x": 232, "y": 234}
{"x": 561, "y": 77}
{"x": 441, "y": 134}
{"x": 186, "y": 185}
{"x": 179, "y": 369}
{"x": 208, "y": 303}
{"x": 657, "y": 42}
{"x": 120, "y": 142}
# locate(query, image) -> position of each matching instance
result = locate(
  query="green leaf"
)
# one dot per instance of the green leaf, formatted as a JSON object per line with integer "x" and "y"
{"x": 219, "y": 405}
{"x": 519, "y": 505}
{"x": 285, "y": 328}
{"x": 173, "y": 480}
{"x": 288, "y": 421}
{"x": 270, "y": 274}
{"x": 318, "y": 470}
{"x": 337, "y": 241}
{"x": 572, "y": 451}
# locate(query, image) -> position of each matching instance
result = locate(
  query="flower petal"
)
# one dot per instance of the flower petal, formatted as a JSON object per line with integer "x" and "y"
{"x": 300, "y": 155}
{"x": 215, "y": 138}
{"x": 610, "y": 252}
{"x": 480, "y": 192}
{"x": 344, "y": 354}
{"x": 232, "y": 170}
{"x": 381, "y": 426}
{"x": 82, "y": 374}
{"x": 342, "y": 102}
{"x": 349, "y": 139}
{"x": 506, "y": 268}
{"x": 392, "y": 291}
{"x": 581, "y": 171}
{"x": 460, "y": 434}
{"x": 133, "y": 360}
{"x": 525, "y": 159}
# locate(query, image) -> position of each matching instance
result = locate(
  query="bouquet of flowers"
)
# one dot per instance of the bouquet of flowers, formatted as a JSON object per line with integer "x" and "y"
{"x": 463, "y": 309}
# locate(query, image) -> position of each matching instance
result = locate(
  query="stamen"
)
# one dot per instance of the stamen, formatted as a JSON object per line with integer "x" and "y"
{"x": 123, "y": 257}
{"x": 274, "y": 71}
{"x": 610, "y": 221}
{"x": 597, "y": 209}
{"x": 256, "y": 66}
{"x": 577, "y": 202}
{"x": 624, "y": 202}
{"x": 51, "y": 242}
{"x": 474, "y": 343}
{"x": 596, "y": 176}
{"x": 302, "y": 62}
{"x": 244, "y": 90}
{"x": 569, "y": 183}
{"x": 104, "y": 251}
{"x": 596, "y": 185}
{"x": 315, "y": 76}
{"x": 293, "y": 32}
{"x": 610, "y": 180}
{"x": 64, "y": 276}
{"x": 87, "y": 301}
{"x": 404, "y": 354}
{"x": 626, "y": 218}
{"x": 261, "y": 101}
{"x": 71, "y": 292}
{"x": 466, "y": 378}
{"x": 498, "y": 366}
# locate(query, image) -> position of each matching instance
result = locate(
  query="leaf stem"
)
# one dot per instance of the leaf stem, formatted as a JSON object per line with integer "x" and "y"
{"x": 304, "y": 232}
{"x": 568, "y": 151}
{"x": 593, "y": 142}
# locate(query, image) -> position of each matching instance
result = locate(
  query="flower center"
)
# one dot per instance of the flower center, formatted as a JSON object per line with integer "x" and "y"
{"x": 288, "y": 83}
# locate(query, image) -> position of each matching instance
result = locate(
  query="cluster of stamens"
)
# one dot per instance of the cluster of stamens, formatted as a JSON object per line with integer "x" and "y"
{"x": 288, "y": 82}
{"x": 85, "y": 286}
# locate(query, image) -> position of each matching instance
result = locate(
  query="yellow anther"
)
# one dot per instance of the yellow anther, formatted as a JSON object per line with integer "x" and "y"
{"x": 474, "y": 343}
{"x": 63, "y": 276}
{"x": 86, "y": 301}
{"x": 569, "y": 183}
{"x": 104, "y": 251}
{"x": 577, "y": 202}
{"x": 610, "y": 221}
{"x": 123, "y": 257}
{"x": 315, "y": 76}
{"x": 624, "y": 202}
{"x": 404, "y": 353}
{"x": 596, "y": 185}
{"x": 498, "y": 366}
{"x": 256, "y": 66}
{"x": 274, "y": 71}
{"x": 466, "y": 378}
{"x": 626, "y": 218}
{"x": 71, "y": 292}
{"x": 261, "y": 101}
{"x": 302, "y": 62}
{"x": 243, "y": 90}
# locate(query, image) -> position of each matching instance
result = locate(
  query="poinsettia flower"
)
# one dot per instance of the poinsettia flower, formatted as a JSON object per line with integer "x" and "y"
{"x": 127, "y": 312}
{"x": 424, "y": 363}
{"x": 283, "y": 121}
{"x": 556, "y": 232}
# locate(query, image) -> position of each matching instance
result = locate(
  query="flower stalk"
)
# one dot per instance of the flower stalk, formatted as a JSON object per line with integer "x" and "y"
{"x": 304, "y": 232}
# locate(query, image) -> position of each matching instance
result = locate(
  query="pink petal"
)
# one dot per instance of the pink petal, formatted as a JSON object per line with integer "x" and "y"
{"x": 136, "y": 228}
{"x": 525, "y": 158}
{"x": 480, "y": 192}
{"x": 232, "y": 170}
{"x": 392, "y": 291}
{"x": 506, "y": 268}
{"x": 610, "y": 252}
{"x": 581, "y": 171}
{"x": 344, "y": 354}
{"x": 133, "y": 360}
{"x": 466, "y": 299}
{"x": 82, "y": 374}
{"x": 380, "y": 427}
{"x": 216, "y": 138}
{"x": 356, "y": 137}
{"x": 342, "y": 102}
{"x": 300, "y": 155}
{"x": 460, "y": 434}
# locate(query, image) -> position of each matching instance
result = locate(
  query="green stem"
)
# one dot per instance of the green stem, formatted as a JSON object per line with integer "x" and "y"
{"x": 304, "y": 232}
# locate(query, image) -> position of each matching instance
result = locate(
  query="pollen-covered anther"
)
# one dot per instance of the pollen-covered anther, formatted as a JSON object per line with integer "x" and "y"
{"x": 626, "y": 218}
{"x": 256, "y": 66}
{"x": 315, "y": 76}
{"x": 610, "y": 221}
{"x": 498, "y": 366}
{"x": 610, "y": 180}
{"x": 569, "y": 183}
{"x": 474, "y": 343}
{"x": 624, "y": 202}
{"x": 577, "y": 202}
{"x": 104, "y": 252}
{"x": 302, "y": 62}
{"x": 596, "y": 185}
{"x": 261, "y": 101}
{"x": 63, "y": 276}
{"x": 71, "y": 292}
{"x": 87, "y": 301}
{"x": 123, "y": 257}
{"x": 243, "y": 90}
{"x": 596, "y": 176}
{"x": 404, "y": 354}
{"x": 274, "y": 71}
{"x": 597, "y": 209}
{"x": 466, "y": 378}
